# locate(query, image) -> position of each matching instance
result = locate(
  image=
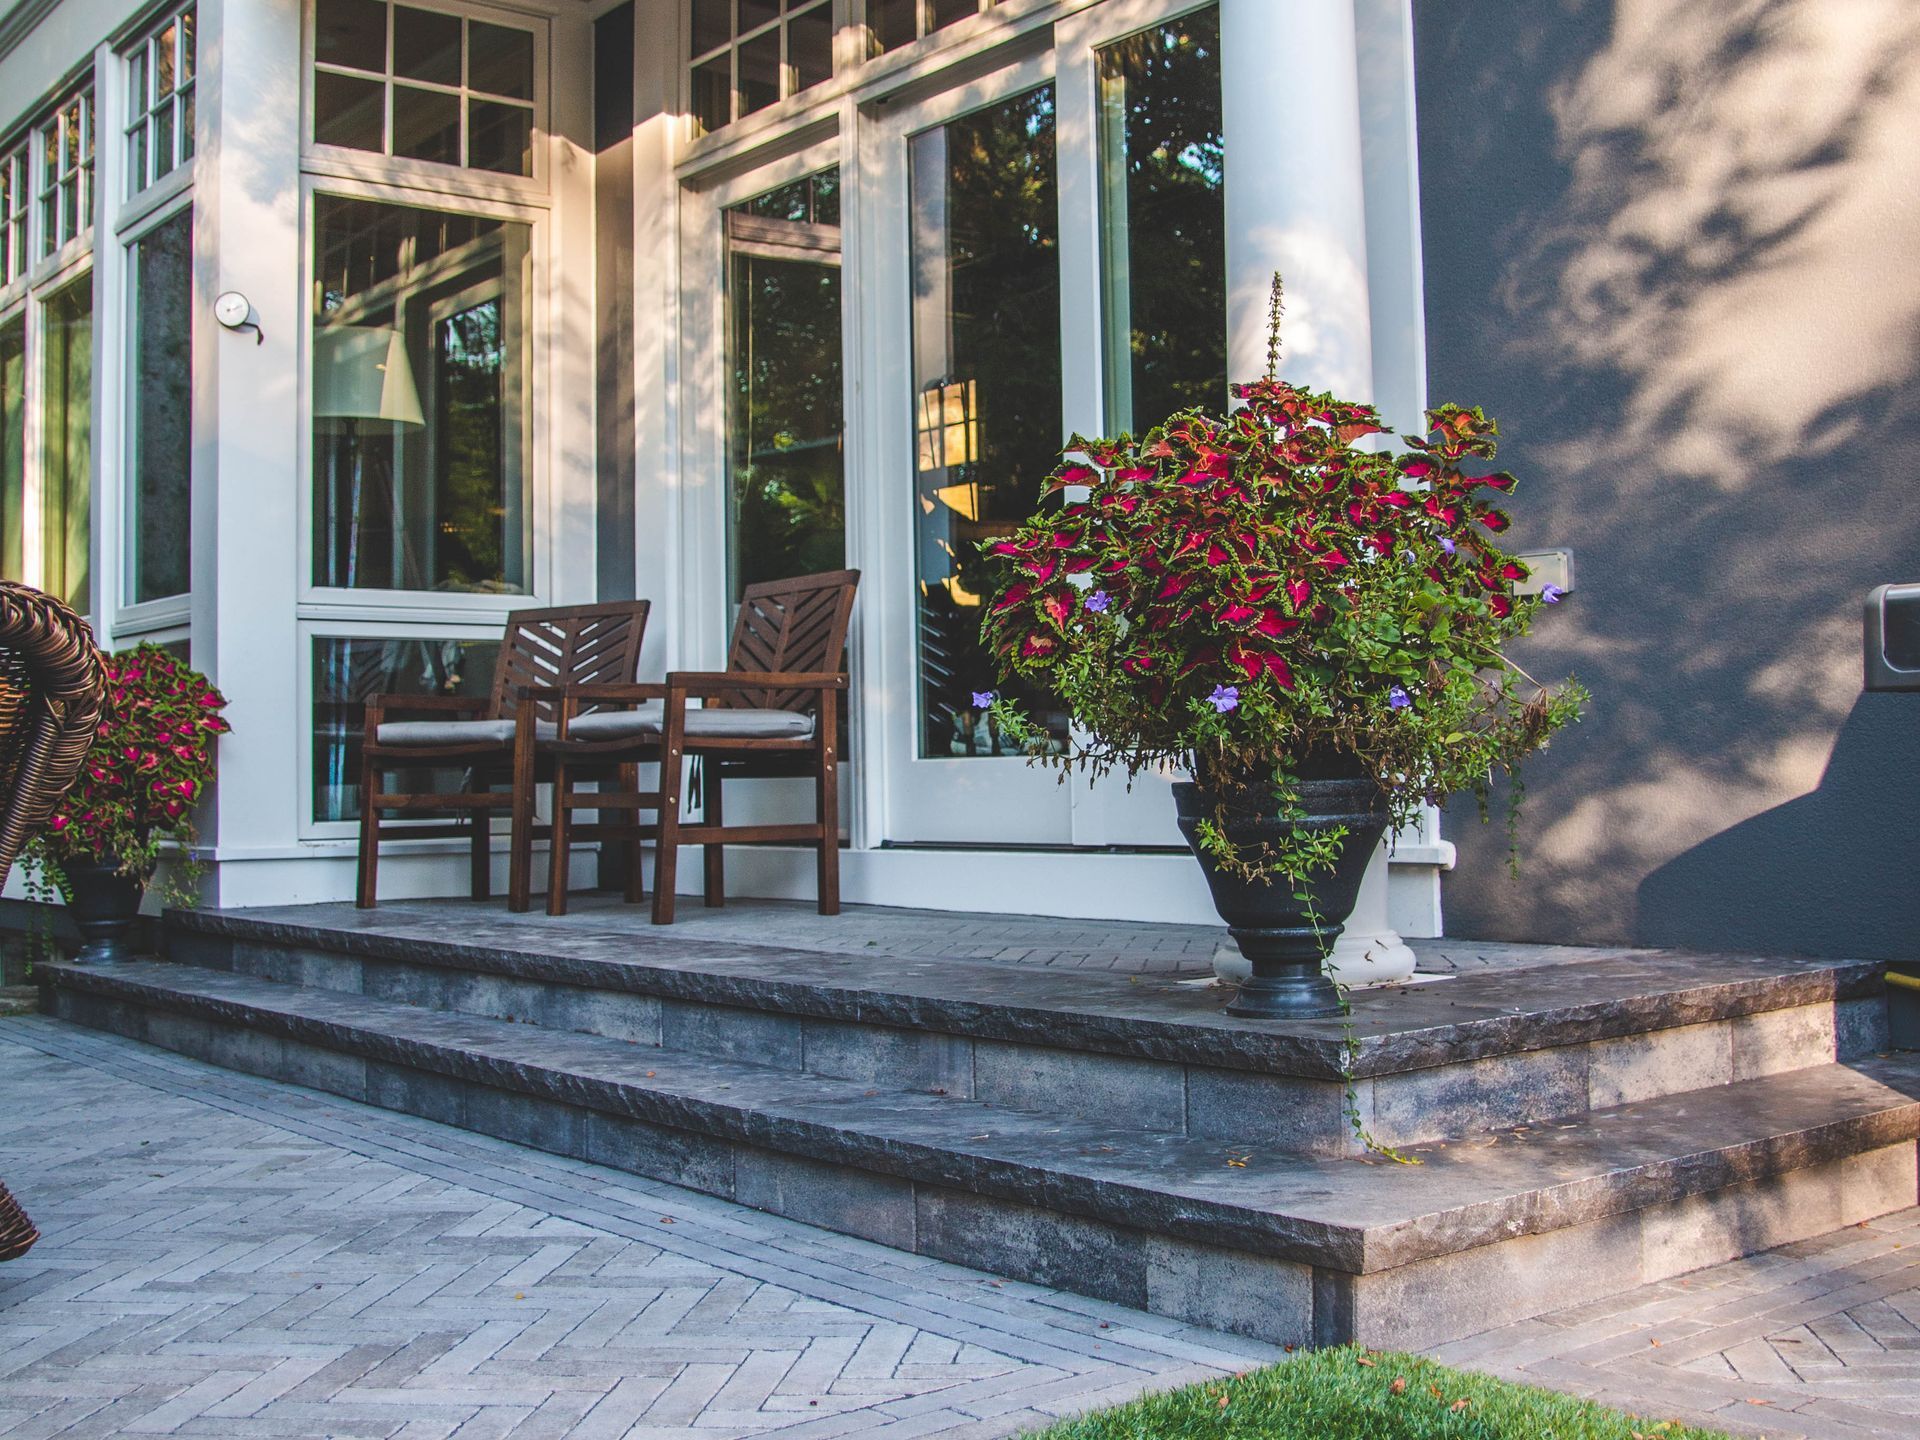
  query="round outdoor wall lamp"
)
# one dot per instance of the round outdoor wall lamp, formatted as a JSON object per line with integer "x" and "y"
{"x": 232, "y": 310}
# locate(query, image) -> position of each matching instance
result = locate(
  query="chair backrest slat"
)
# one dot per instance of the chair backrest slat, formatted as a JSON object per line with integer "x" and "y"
{"x": 791, "y": 625}
{"x": 568, "y": 645}
{"x": 51, "y": 688}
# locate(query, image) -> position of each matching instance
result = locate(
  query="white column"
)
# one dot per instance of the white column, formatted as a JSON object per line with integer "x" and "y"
{"x": 1296, "y": 203}
{"x": 247, "y": 565}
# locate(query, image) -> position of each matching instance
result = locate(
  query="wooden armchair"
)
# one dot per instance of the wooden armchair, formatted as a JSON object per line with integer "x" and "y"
{"x": 542, "y": 649}
{"x": 51, "y": 688}
{"x": 774, "y": 711}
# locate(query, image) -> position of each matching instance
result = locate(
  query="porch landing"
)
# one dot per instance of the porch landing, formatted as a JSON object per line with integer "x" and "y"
{"x": 1066, "y": 1102}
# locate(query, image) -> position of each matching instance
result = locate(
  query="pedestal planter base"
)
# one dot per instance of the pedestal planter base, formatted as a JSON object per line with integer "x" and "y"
{"x": 1284, "y": 938}
{"x": 106, "y": 906}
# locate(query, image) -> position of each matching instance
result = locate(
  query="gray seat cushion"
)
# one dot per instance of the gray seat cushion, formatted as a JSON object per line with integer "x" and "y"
{"x": 453, "y": 732}
{"x": 702, "y": 724}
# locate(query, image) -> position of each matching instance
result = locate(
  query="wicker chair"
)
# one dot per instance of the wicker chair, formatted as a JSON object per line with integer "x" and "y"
{"x": 51, "y": 686}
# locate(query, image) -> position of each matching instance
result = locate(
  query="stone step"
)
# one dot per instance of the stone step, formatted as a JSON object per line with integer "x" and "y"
{"x": 1240, "y": 1236}
{"x": 1448, "y": 1059}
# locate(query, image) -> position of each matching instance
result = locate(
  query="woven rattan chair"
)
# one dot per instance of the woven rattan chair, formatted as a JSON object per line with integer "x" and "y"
{"x": 569, "y": 645}
{"x": 51, "y": 685}
{"x": 774, "y": 711}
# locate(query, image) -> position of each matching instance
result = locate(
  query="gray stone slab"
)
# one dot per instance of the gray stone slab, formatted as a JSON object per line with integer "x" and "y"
{"x": 1660, "y": 1062}
{"x": 679, "y": 1157}
{"x": 1421, "y": 1105}
{"x": 1143, "y": 1094}
{"x": 885, "y": 1055}
{"x": 1301, "y": 1117}
{"x": 1250, "y": 1295}
{"x": 1504, "y": 999}
{"x": 731, "y": 1032}
{"x": 525, "y": 1120}
{"x": 418, "y": 1092}
{"x": 874, "y": 1207}
{"x": 1775, "y": 1041}
{"x": 1028, "y": 1243}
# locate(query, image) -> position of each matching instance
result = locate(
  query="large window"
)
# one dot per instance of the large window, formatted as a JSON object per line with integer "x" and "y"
{"x": 66, "y": 444}
{"x": 1164, "y": 230}
{"x": 160, "y": 406}
{"x": 160, "y": 75}
{"x": 419, "y": 84}
{"x": 14, "y": 196}
{"x": 785, "y": 414}
{"x": 986, "y": 384}
{"x": 13, "y": 447}
{"x": 421, "y": 394}
{"x": 66, "y": 173}
{"x": 347, "y": 671}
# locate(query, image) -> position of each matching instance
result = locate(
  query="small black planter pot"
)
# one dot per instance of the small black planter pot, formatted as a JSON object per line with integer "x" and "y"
{"x": 1276, "y": 932}
{"x": 105, "y": 905}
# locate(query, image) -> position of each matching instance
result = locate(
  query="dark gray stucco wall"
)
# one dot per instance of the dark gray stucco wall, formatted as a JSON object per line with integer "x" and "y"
{"x": 1674, "y": 247}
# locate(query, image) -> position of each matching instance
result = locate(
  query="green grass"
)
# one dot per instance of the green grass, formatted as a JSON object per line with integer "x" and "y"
{"x": 1352, "y": 1394}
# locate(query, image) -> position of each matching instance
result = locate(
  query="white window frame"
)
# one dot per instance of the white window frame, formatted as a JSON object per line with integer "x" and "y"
{"x": 167, "y": 612}
{"x": 50, "y": 252}
{"x": 345, "y": 163}
{"x": 19, "y": 257}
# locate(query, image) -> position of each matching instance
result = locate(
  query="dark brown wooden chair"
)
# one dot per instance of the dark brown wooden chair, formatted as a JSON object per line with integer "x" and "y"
{"x": 542, "y": 649}
{"x": 774, "y": 711}
{"x": 51, "y": 689}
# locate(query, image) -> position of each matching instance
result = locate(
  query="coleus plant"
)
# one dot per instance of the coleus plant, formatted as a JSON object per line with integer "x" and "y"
{"x": 1255, "y": 596}
{"x": 151, "y": 762}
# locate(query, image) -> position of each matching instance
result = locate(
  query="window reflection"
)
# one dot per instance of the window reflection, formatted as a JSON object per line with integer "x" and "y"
{"x": 785, "y": 415}
{"x": 421, "y": 440}
{"x": 1164, "y": 221}
{"x": 986, "y": 392}
{"x": 161, "y": 408}
{"x": 347, "y": 672}
{"x": 66, "y": 446}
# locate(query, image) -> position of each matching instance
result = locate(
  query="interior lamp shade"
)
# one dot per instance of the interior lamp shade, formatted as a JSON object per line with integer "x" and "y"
{"x": 360, "y": 372}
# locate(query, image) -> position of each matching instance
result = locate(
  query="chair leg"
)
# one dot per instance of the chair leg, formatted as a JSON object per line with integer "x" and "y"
{"x": 636, "y": 854}
{"x": 480, "y": 856}
{"x": 369, "y": 837}
{"x": 560, "y": 838}
{"x": 714, "y": 853}
{"x": 520, "y": 842}
{"x": 827, "y": 807}
{"x": 666, "y": 851}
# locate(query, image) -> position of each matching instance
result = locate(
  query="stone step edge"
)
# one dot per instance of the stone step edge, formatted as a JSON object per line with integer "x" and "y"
{"x": 1344, "y": 1215}
{"x": 1226, "y": 1044}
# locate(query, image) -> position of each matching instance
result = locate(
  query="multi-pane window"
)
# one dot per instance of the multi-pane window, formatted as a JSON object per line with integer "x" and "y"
{"x": 66, "y": 173}
{"x": 66, "y": 443}
{"x": 422, "y": 368}
{"x": 893, "y": 23}
{"x": 160, "y": 102}
{"x": 421, "y": 84}
{"x": 747, "y": 54}
{"x": 14, "y": 190}
{"x": 13, "y": 446}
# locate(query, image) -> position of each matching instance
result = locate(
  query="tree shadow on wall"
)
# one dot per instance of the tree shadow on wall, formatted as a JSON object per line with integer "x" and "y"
{"x": 1835, "y": 871}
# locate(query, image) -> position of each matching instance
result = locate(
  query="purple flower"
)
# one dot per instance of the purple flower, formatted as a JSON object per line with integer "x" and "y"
{"x": 1551, "y": 594}
{"x": 982, "y": 699}
{"x": 1225, "y": 698}
{"x": 1098, "y": 601}
{"x": 1448, "y": 545}
{"x": 1398, "y": 699}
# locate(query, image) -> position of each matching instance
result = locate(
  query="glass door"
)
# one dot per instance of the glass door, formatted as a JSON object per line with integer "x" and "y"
{"x": 965, "y": 404}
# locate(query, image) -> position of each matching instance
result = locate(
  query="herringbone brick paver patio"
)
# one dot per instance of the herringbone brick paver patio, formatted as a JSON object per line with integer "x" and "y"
{"x": 1818, "y": 1340}
{"x": 230, "y": 1257}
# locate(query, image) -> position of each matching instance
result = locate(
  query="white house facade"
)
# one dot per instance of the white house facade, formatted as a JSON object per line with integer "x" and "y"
{"x": 333, "y": 330}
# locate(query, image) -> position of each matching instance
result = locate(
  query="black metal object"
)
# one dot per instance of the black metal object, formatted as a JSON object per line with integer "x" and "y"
{"x": 1892, "y": 638}
{"x": 1287, "y": 938}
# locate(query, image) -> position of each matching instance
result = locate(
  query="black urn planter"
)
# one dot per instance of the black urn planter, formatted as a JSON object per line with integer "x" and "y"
{"x": 1285, "y": 940}
{"x": 105, "y": 904}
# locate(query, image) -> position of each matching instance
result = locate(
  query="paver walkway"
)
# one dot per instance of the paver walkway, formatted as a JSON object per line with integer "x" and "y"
{"x": 233, "y": 1257}
{"x": 1819, "y": 1339}
{"x": 226, "y": 1256}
